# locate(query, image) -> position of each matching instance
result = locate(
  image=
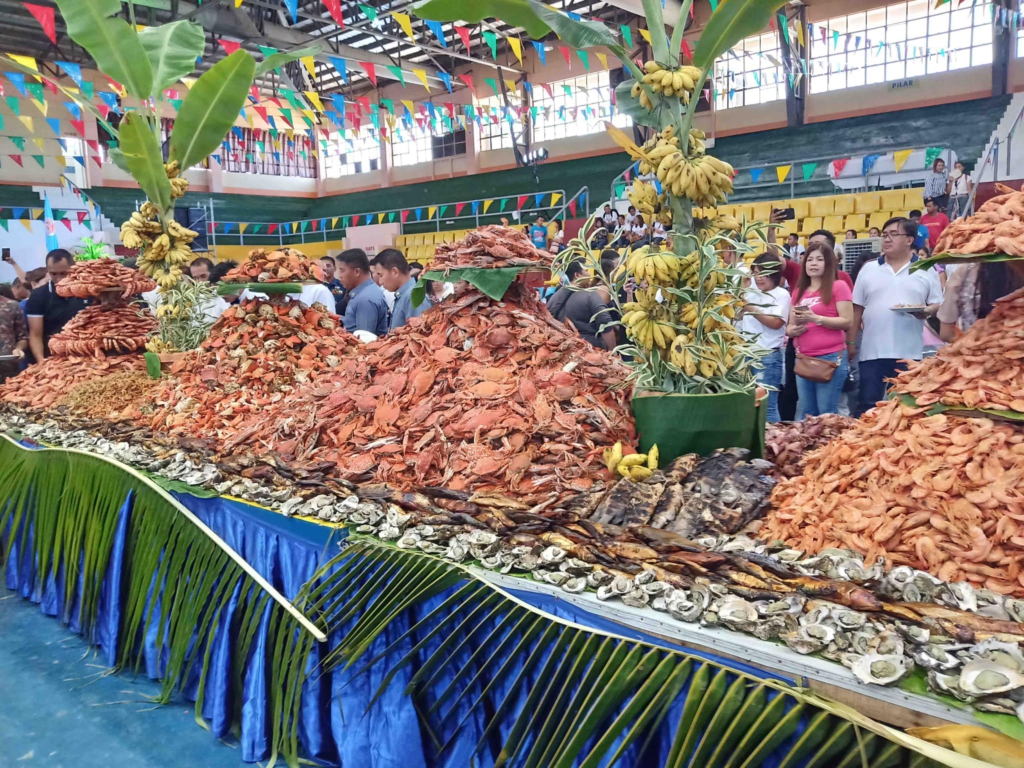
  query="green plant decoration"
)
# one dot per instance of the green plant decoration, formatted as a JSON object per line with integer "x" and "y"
{"x": 90, "y": 250}
{"x": 679, "y": 318}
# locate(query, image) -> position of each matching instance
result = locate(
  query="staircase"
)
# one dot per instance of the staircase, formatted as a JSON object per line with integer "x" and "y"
{"x": 65, "y": 199}
{"x": 1003, "y": 158}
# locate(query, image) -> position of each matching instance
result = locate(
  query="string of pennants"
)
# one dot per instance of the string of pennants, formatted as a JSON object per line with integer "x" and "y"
{"x": 27, "y": 215}
{"x": 422, "y": 214}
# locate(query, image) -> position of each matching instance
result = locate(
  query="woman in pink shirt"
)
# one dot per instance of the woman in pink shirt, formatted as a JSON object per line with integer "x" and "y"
{"x": 822, "y": 314}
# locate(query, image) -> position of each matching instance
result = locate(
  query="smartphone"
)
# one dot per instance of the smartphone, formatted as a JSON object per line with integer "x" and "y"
{"x": 6, "y": 253}
{"x": 788, "y": 214}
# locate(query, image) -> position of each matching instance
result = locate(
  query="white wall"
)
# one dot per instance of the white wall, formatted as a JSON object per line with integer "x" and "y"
{"x": 28, "y": 243}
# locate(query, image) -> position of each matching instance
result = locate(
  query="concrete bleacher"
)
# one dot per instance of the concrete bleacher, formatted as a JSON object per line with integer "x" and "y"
{"x": 836, "y": 213}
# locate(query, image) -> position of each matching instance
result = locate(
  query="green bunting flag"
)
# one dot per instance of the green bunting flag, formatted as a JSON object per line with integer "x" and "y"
{"x": 19, "y": 142}
{"x": 492, "y": 83}
{"x": 40, "y": 159}
{"x": 88, "y": 89}
{"x": 391, "y": 216}
{"x": 931, "y": 155}
{"x": 492, "y": 42}
{"x": 808, "y": 170}
{"x": 627, "y": 35}
{"x": 397, "y": 72}
{"x": 3, "y": 223}
{"x": 13, "y": 104}
{"x": 585, "y": 58}
{"x": 369, "y": 11}
{"x": 620, "y": 191}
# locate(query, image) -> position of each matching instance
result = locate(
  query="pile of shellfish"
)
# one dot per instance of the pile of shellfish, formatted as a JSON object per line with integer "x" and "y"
{"x": 284, "y": 266}
{"x": 491, "y": 247}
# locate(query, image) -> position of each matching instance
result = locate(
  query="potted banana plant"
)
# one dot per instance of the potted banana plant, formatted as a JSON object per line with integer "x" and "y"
{"x": 146, "y": 62}
{"x": 694, "y": 373}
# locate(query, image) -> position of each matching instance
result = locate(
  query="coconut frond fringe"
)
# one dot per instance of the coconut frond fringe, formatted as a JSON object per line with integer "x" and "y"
{"x": 497, "y": 682}
{"x": 69, "y": 514}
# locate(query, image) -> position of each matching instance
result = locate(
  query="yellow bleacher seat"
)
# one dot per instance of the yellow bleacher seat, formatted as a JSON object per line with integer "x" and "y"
{"x": 833, "y": 224}
{"x": 810, "y": 224}
{"x": 416, "y": 239}
{"x": 878, "y": 219}
{"x": 867, "y": 202}
{"x": 400, "y": 241}
{"x": 744, "y": 210}
{"x": 762, "y": 211}
{"x": 904, "y": 214}
{"x": 727, "y": 210}
{"x": 892, "y": 200}
{"x": 913, "y": 198}
{"x": 857, "y": 221}
{"x": 789, "y": 227}
{"x": 844, "y": 204}
{"x": 822, "y": 206}
{"x": 802, "y": 208}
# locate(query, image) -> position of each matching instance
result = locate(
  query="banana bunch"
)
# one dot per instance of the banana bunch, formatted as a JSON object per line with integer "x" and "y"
{"x": 726, "y": 224}
{"x": 713, "y": 280}
{"x": 689, "y": 269}
{"x": 655, "y": 151}
{"x": 644, "y": 197}
{"x": 654, "y": 266}
{"x": 703, "y": 179}
{"x": 172, "y": 310}
{"x": 678, "y": 82}
{"x": 158, "y": 346}
{"x": 635, "y": 466}
{"x": 692, "y": 317}
{"x": 638, "y": 92}
{"x": 697, "y": 145}
{"x": 727, "y": 305}
{"x": 178, "y": 185}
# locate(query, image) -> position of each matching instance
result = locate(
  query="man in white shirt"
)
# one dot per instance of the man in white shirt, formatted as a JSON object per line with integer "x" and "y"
{"x": 658, "y": 232}
{"x": 891, "y": 336}
{"x": 610, "y": 218}
{"x": 793, "y": 248}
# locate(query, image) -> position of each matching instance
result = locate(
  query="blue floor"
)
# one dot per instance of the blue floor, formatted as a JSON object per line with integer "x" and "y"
{"x": 58, "y": 711}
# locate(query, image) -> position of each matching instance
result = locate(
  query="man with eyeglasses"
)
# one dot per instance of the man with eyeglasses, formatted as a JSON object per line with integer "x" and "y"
{"x": 891, "y": 336}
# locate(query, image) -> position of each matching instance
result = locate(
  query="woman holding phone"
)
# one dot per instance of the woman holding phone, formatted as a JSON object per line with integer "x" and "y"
{"x": 822, "y": 314}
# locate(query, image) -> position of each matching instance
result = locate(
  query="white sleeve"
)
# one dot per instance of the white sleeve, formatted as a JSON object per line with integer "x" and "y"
{"x": 860, "y": 293}
{"x": 782, "y": 306}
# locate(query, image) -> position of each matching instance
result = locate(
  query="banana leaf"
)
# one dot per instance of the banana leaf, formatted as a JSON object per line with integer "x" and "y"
{"x": 145, "y": 160}
{"x": 627, "y": 105}
{"x": 958, "y": 258}
{"x": 961, "y": 410}
{"x": 111, "y": 41}
{"x": 172, "y": 49}
{"x": 271, "y": 289}
{"x": 275, "y": 60}
{"x": 211, "y": 108}
{"x": 733, "y": 21}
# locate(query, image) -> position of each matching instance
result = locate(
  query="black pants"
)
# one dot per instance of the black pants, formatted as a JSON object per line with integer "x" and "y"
{"x": 788, "y": 396}
{"x": 873, "y": 374}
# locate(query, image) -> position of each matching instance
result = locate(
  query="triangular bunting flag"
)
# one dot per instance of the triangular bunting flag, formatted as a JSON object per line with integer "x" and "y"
{"x": 555, "y": 197}
{"x": 808, "y": 170}
{"x": 369, "y": 11}
{"x": 74, "y": 71}
{"x": 467, "y": 79}
{"x": 28, "y": 122}
{"x": 517, "y": 48}
{"x": 839, "y": 165}
{"x": 782, "y": 172}
{"x": 41, "y": 143}
{"x": 458, "y": 209}
{"x": 45, "y": 18}
{"x": 18, "y": 141}
{"x": 627, "y": 35}
{"x": 431, "y": 211}
{"x": 340, "y": 66}
{"x": 931, "y": 155}
{"x": 755, "y": 174}
{"x": 18, "y": 80}
{"x": 40, "y": 159}
{"x": 370, "y": 69}
{"x": 405, "y": 23}
{"x": 81, "y": 215}
{"x": 446, "y": 79}
{"x": 310, "y": 64}
{"x": 487, "y": 205}
{"x": 405, "y": 215}
{"x": 229, "y": 46}
{"x": 334, "y": 8}
{"x": 293, "y": 9}
{"x": 521, "y": 201}
{"x": 397, "y": 72}
{"x": 900, "y": 158}
{"x": 491, "y": 39}
{"x": 421, "y": 75}
{"x": 54, "y": 124}
{"x": 585, "y": 58}
{"x": 463, "y": 33}
{"x": 868, "y": 163}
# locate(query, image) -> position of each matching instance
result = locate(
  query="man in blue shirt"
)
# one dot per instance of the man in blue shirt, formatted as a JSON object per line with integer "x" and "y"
{"x": 539, "y": 234}
{"x": 921, "y": 240}
{"x": 396, "y": 277}
{"x": 366, "y": 310}
{"x": 333, "y": 283}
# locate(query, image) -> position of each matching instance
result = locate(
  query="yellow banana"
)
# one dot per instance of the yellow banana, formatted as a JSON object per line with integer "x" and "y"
{"x": 633, "y": 460}
{"x": 639, "y": 473}
{"x": 652, "y": 457}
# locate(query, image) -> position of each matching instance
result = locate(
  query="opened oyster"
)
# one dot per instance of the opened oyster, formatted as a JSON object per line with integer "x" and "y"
{"x": 986, "y": 678}
{"x": 879, "y": 669}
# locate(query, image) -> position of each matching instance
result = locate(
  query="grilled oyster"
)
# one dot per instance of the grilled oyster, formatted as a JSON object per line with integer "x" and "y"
{"x": 881, "y": 669}
{"x": 985, "y": 678}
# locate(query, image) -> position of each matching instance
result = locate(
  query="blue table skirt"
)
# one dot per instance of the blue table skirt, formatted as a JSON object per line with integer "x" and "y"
{"x": 336, "y": 728}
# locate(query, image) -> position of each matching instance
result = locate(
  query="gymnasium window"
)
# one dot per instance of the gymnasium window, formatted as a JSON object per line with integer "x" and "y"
{"x": 751, "y": 73}
{"x": 494, "y": 134}
{"x": 583, "y": 111}
{"x": 254, "y": 152}
{"x": 898, "y": 42}
{"x": 426, "y": 142}
{"x": 354, "y": 153}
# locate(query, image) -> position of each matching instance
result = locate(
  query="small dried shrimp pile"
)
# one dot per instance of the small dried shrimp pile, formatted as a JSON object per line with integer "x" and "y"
{"x": 983, "y": 369}
{"x": 787, "y": 442}
{"x": 89, "y": 278}
{"x": 104, "y": 329}
{"x": 113, "y": 397}
{"x": 257, "y": 351}
{"x": 997, "y": 227}
{"x": 940, "y": 493}
{"x": 491, "y": 246}
{"x": 284, "y": 266}
{"x": 474, "y": 395}
{"x": 45, "y": 383}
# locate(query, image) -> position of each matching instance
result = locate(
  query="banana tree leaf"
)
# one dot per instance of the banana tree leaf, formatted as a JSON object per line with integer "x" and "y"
{"x": 955, "y": 410}
{"x": 145, "y": 160}
{"x": 733, "y": 21}
{"x": 518, "y": 13}
{"x": 276, "y": 289}
{"x": 962, "y": 258}
{"x": 172, "y": 50}
{"x": 211, "y": 108}
{"x": 113, "y": 44}
{"x": 625, "y": 104}
{"x": 275, "y": 60}
{"x": 578, "y": 34}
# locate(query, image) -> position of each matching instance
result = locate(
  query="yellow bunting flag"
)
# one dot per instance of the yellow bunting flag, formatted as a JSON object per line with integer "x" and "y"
{"x": 517, "y": 48}
{"x": 405, "y": 23}
{"x": 334, "y": 222}
{"x": 310, "y": 63}
{"x": 380, "y": 217}
{"x": 421, "y": 75}
{"x": 42, "y": 106}
{"x": 555, "y": 197}
{"x": 250, "y": 120}
{"x": 310, "y": 114}
{"x": 408, "y": 105}
{"x": 25, "y": 61}
{"x": 431, "y": 211}
{"x": 26, "y": 224}
{"x": 782, "y": 172}
{"x": 139, "y": 27}
{"x": 487, "y": 205}
{"x": 189, "y": 82}
{"x": 901, "y": 158}
{"x": 314, "y": 99}
{"x": 37, "y": 213}
{"x": 603, "y": 59}
{"x": 41, "y": 143}
{"x": 242, "y": 228}
{"x": 28, "y": 122}
{"x": 800, "y": 32}
{"x": 511, "y": 84}
{"x": 646, "y": 35}
{"x": 238, "y": 3}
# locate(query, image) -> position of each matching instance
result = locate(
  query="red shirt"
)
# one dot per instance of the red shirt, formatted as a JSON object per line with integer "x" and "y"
{"x": 791, "y": 271}
{"x": 936, "y": 223}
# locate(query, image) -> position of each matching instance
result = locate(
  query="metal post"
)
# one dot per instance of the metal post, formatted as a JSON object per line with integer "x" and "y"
{"x": 995, "y": 161}
{"x": 213, "y": 229}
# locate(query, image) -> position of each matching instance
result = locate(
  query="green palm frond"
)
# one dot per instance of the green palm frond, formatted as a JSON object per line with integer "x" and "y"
{"x": 63, "y": 511}
{"x": 550, "y": 693}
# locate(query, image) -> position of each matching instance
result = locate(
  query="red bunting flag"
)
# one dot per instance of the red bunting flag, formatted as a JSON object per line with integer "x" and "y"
{"x": 450, "y": 106}
{"x": 209, "y": 227}
{"x": 314, "y": 223}
{"x": 565, "y": 55}
{"x": 272, "y": 229}
{"x": 253, "y": 91}
{"x": 275, "y": 101}
{"x": 45, "y": 18}
{"x": 547, "y": 87}
{"x": 469, "y": 83}
{"x": 371, "y": 71}
{"x": 229, "y": 46}
{"x": 262, "y": 112}
{"x": 521, "y": 201}
{"x": 405, "y": 215}
{"x": 687, "y": 51}
{"x": 82, "y": 215}
{"x": 79, "y": 126}
{"x": 66, "y": 223}
{"x": 104, "y": 110}
{"x": 93, "y": 144}
{"x": 458, "y": 208}
{"x": 838, "y": 165}
{"x": 364, "y": 103}
{"x": 17, "y": 159}
{"x": 98, "y": 160}
{"x": 118, "y": 88}
{"x": 464, "y": 34}
{"x": 334, "y": 8}
{"x": 572, "y": 207}
{"x": 52, "y": 86}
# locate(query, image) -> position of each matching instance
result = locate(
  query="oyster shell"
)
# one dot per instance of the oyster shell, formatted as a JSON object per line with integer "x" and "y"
{"x": 575, "y": 585}
{"x": 737, "y": 613}
{"x": 934, "y": 656}
{"x": 950, "y": 684}
{"x": 1005, "y": 654}
{"x": 881, "y": 669}
{"x": 959, "y": 595}
{"x": 552, "y": 555}
{"x": 596, "y": 579}
{"x": 554, "y": 577}
{"x": 636, "y": 598}
{"x": 985, "y": 678}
